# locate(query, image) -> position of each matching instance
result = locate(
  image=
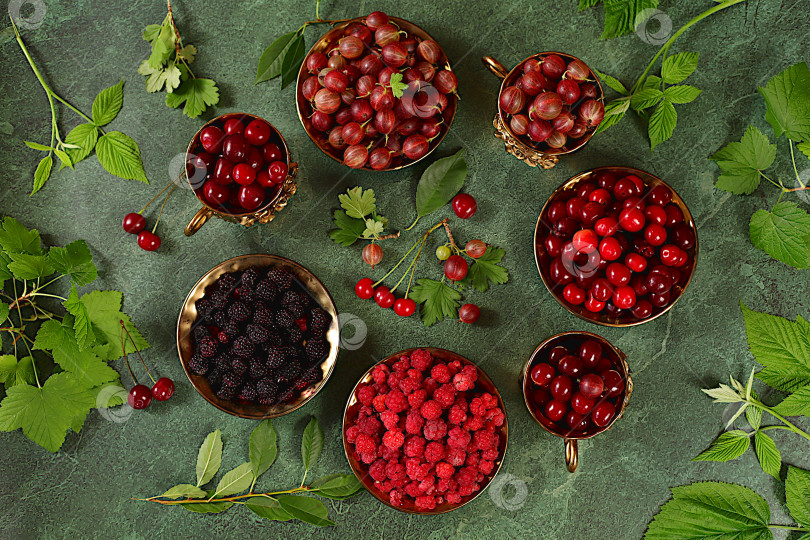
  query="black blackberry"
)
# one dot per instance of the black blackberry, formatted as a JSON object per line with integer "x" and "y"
{"x": 316, "y": 349}
{"x": 218, "y": 299}
{"x": 198, "y": 365}
{"x": 276, "y": 356}
{"x": 243, "y": 347}
{"x": 266, "y": 290}
{"x": 289, "y": 371}
{"x": 284, "y": 319}
{"x": 231, "y": 380}
{"x": 274, "y": 338}
{"x": 263, "y": 315}
{"x": 310, "y": 376}
{"x": 250, "y": 276}
{"x": 257, "y": 333}
{"x": 239, "y": 366}
{"x": 248, "y": 392}
{"x": 238, "y": 311}
{"x": 223, "y": 337}
{"x": 223, "y": 362}
{"x": 226, "y": 283}
{"x": 292, "y": 301}
{"x": 287, "y": 395}
{"x": 207, "y": 347}
{"x": 294, "y": 335}
{"x": 267, "y": 389}
{"x": 203, "y": 307}
{"x": 281, "y": 277}
{"x": 319, "y": 321}
{"x": 245, "y": 293}
{"x": 215, "y": 377}
{"x": 226, "y": 392}
{"x": 258, "y": 368}
{"x": 199, "y": 332}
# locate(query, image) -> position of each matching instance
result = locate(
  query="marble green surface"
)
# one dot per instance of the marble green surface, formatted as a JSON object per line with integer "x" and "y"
{"x": 85, "y": 490}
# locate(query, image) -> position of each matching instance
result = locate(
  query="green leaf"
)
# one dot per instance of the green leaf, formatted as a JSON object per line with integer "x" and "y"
{"x": 797, "y": 493}
{"x": 107, "y": 104}
{"x": 74, "y": 260}
{"x": 311, "y": 443}
{"x": 781, "y": 346}
{"x": 729, "y": 445}
{"x": 267, "y": 508}
{"x": 197, "y": 94}
{"x": 769, "y": 457}
{"x": 292, "y": 61}
{"x": 104, "y": 311}
{"x": 235, "y": 481}
{"x": 188, "y": 53}
{"x": 754, "y": 417}
{"x": 438, "y": 300}
{"x": 373, "y": 228}
{"x": 585, "y": 4}
{"x": 682, "y": 93}
{"x": 741, "y": 162}
{"x": 645, "y": 98}
{"x": 25, "y": 266}
{"x": 796, "y": 404}
{"x": 4, "y": 311}
{"x": 348, "y": 229}
{"x": 357, "y": 202}
{"x": 336, "y": 486}
{"x": 784, "y": 234}
{"x": 397, "y": 86}
{"x": 87, "y": 368}
{"x": 440, "y": 182}
{"x": 804, "y": 148}
{"x": 787, "y": 96}
{"x": 712, "y": 510}
{"x": 305, "y": 509}
{"x": 614, "y": 112}
{"x": 37, "y": 146}
{"x": 270, "y": 62}
{"x": 15, "y": 238}
{"x": 662, "y": 123}
{"x": 621, "y": 16}
{"x": 45, "y": 414}
{"x": 81, "y": 321}
{"x": 612, "y": 82}
{"x": 85, "y": 137}
{"x": 263, "y": 447}
{"x": 64, "y": 159}
{"x": 209, "y": 458}
{"x": 13, "y": 372}
{"x": 151, "y": 32}
{"x": 162, "y": 45}
{"x": 120, "y": 156}
{"x": 42, "y": 173}
{"x": 653, "y": 81}
{"x": 184, "y": 490}
{"x": 678, "y": 67}
{"x": 486, "y": 268}
{"x": 157, "y": 79}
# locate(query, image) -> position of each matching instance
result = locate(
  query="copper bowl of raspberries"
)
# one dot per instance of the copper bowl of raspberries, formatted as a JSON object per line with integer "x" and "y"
{"x": 616, "y": 246}
{"x": 258, "y": 336}
{"x": 376, "y": 93}
{"x": 425, "y": 431}
{"x": 576, "y": 385}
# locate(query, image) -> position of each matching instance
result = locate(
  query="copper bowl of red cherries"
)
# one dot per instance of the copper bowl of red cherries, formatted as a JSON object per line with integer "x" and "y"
{"x": 576, "y": 385}
{"x": 376, "y": 93}
{"x": 616, "y": 246}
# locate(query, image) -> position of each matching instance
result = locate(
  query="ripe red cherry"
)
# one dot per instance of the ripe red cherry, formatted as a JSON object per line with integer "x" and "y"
{"x": 591, "y": 352}
{"x": 464, "y": 205}
{"x": 618, "y": 274}
{"x": 277, "y": 171}
{"x": 606, "y": 226}
{"x": 591, "y": 385}
{"x": 134, "y": 223}
{"x": 234, "y": 125}
{"x": 672, "y": 255}
{"x": 674, "y": 215}
{"x": 655, "y": 234}
{"x": 139, "y": 397}
{"x": 581, "y": 403}
{"x": 215, "y": 193}
{"x": 257, "y": 132}
{"x": 243, "y": 174}
{"x": 542, "y": 374}
{"x": 610, "y": 249}
{"x": 660, "y": 195}
{"x": 561, "y": 387}
{"x": 404, "y": 307}
{"x": 631, "y": 219}
{"x": 585, "y": 241}
{"x": 556, "y": 354}
{"x": 593, "y": 305}
{"x": 642, "y": 309}
{"x": 364, "y": 289}
{"x": 635, "y": 262}
{"x": 573, "y": 294}
{"x": 163, "y": 389}
{"x": 614, "y": 384}
{"x": 148, "y": 241}
{"x": 683, "y": 236}
{"x": 603, "y": 413}
{"x": 555, "y": 410}
{"x": 624, "y": 297}
{"x": 576, "y": 420}
{"x": 271, "y": 152}
{"x": 469, "y": 313}
{"x": 455, "y": 268}
{"x": 624, "y": 188}
{"x": 655, "y": 214}
{"x": 235, "y": 148}
{"x": 385, "y": 300}
{"x": 251, "y": 197}
{"x": 211, "y": 139}
{"x": 572, "y": 365}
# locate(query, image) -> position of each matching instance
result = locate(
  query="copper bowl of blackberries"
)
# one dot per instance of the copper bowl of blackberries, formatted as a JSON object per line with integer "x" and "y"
{"x": 616, "y": 246}
{"x": 239, "y": 167}
{"x": 258, "y": 336}
{"x": 550, "y": 104}
{"x": 376, "y": 93}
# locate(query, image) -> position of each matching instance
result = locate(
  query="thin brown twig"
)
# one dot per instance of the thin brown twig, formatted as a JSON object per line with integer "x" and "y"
{"x": 389, "y": 236}
{"x": 449, "y": 235}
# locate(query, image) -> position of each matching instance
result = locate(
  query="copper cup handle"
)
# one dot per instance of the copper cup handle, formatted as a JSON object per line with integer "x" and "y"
{"x": 198, "y": 220}
{"x": 571, "y": 454}
{"x": 498, "y": 69}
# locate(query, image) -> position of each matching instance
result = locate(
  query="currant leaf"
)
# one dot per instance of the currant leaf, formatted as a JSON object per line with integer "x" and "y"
{"x": 348, "y": 231}
{"x": 741, "y": 162}
{"x": 358, "y": 202}
{"x": 197, "y": 94}
{"x": 438, "y": 300}
{"x": 486, "y": 269}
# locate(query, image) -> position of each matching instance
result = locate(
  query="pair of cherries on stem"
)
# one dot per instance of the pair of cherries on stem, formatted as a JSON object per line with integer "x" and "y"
{"x": 140, "y": 396}
{"x": 135, "y": 223}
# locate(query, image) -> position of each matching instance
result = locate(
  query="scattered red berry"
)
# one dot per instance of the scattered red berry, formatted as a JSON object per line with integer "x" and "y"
{"x": 139, "y": 397}
{"x": 134, "y": 223}
{"x": 148, "y": 241}
{"x": 464, "y": 205}
{"x": 364, "y": 289}
{"x": 469, "y": 313}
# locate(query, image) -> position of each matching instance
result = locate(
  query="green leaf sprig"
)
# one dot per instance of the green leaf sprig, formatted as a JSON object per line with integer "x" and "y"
{"x": 784, "y": 231}
{"x": 236, "y": 487}
{"x": 169, "y": 67}
{"x": 117, "y": 152}
{"x": 74, "y": 345}
{"x": 652, "y": 98}
{"x": 440, "y": 182}
{"x": 359, "y": 219}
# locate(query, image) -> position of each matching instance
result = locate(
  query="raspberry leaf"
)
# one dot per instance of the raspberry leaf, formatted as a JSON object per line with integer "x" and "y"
{"x": 487, "y": 268}
{"x": 263, "y": 447}
{"x": 612, "y": 82}
{"x": 614, "y": 112}
{"x": 796, "y": 404}
{"x": 729, "y": 445}
{"x": 783, "y": 233}
{"x": 683, "y": 93}
{"x": 348, "y": 229}
{"x": 742, "y": 162}
{"x": 209, "y": 458}
{"x": 662, "y": 123}
{"x": 787, "y": 96}
{"x": 108, "y": 104}
{"x": 678, "y": 67}
{"x": 85, "y": 136}
{"x": 648, "y": 97}
{"x": 440, "y": 182}
{"x": 769, "y": 457}
{"x": 197, "y": 94}
{"x": 268, "y": 508}
{"x": 797, "y": 493}
{"x": 183, "y": 490}
{"x": 87, "y": 368}
{"x": 120, "y": 156}
{"x": 235, "y": 481}
{"x": 305, "y": 509}
{"x": 311, "y": 444}
{"x": 42, "y": 173}
{"x": 621, "y": 16}
{"x": 438, "y": 300}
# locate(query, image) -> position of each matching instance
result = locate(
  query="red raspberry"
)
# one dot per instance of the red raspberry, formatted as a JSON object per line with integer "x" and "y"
{"x": 365, "y": 410}
{"x": 377, "y": 470}
{"x": 364, "y": 444}
{"x": 381, "y": 388}
{"x": 370, "y": 425}
{"x": 394, "y": 378}
{"x": 434, "y": 452}
{"x": 428, "y": 484}
{"x": 431, "y": 410}
{"x": 452, "y": 497}
{"x": 413, "y": 468}
{"x": 414, "y": 423}
{"x": 396, "y": 401}
{"x": 441, "y": 373}
{"x": 421, "y": 359}
{"x": 379, "y": 373}
{"x": 458, "y": 438}
{"x": 456, "y": 415}
{"x": 408, "y": 385}
{"x": 365, "y": 394}
{"x": 491, "y": 454}
{"x": 399, "y": 482}
{"x": 462, "y": 404}
{"x": 466, "y": 490}
{"x": 351, "y": 433}
{"x": 485, "y": 466}
{"x": 416, "y": 399}
{"x": 430, "y": 385}
{"x": 465, "y": 380}
{"x": 474, "y": 423}
{"x": 435, "y": 429}
{"x": 415, "y": 374}
{"x": 479, "y": 478}
{"x": 395, "y": 497}
{"x": 454, "y": 367}
{"x": 489, "y": 400}
{"x": 477, "y": 406}
{"x": 390, "y": 419}
{"x": 472, "y": 459}
{"x": 446, "y": 484}
{"x": 379, "y": 402}
{"x": 426, "y": 502}
{"x": 466, "y": 476}
{"x": 402, "y": 365}
{"x": 496, "y": 416}
{"x": 445, "y": 395}
{"x": 389, "y": 454}
{"x": 395, "y": 471}
{"x": 455, "y": 456}
{"x": 444, "y": 470}
{"x": 368, "y": 458}
{"x": 413, "y": 490}
{"x": 415, "y": 446}
{"x": 394, "y": 439}
{"x": 484, "y": 440}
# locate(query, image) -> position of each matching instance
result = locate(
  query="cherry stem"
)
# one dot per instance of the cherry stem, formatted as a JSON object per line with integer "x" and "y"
{"x": 162, "y": 206}
{"x": 411, "y": 267}
{"x": 413, "y": 270}
{"x": 124, "y": 329}
{"x": 124, "y": 350}
{"x": 425, "y": 235}
{"x": 414, "y": 223}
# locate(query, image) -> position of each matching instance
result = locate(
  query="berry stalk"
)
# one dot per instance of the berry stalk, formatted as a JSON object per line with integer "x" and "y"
{"x": 424, "y": 236}
{"x": 124, "y": 350}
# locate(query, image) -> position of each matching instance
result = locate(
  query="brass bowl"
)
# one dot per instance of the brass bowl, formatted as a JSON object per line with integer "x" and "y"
{"x": 263, "y": 214}
{"x": 360, "y": 470}
{"x": 517, "y": 145}
{"x": 542, "y": 258}
{"x": 328, "y": 42}
{"x": 570, "y": 438}
{"x": 188, "y": 316}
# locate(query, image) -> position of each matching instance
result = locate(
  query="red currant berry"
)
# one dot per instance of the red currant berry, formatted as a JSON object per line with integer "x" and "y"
{"x": 364, "y": 289}
{"x": 581, "y": 403}
{"x": 464, "y": 205}
{"x": 572, "y": 365}
{"x": 243, "y": 174}
{"x": 555, "y": 410}
{"x": 614, "y": 384}
{"x": 404, "y": 307}
{"x": 561, "y": 387}
{"x": 591, "y": 385}
{"x": 139, "y": 397}
{"x": 134, "y": 223}
{"x": 603, "y": 413}
{"x": 163, "y": 389}
{"x": 542, "y": 374}
{"x": 148, "y": 241}
{"x": 573, "y": 294}
{"x": 469, "y": 313}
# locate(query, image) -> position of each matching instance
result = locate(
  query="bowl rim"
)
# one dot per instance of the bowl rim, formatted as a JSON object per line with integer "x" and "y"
{"x": 361, "y": 474}
{"x": 222, "y": 118}
{"x": 648, "y": 179}
{"x": 188, "y": 316}
{"x": 622, "y": 358}
{"x": 550, "y": 151}
{"x": 452, "y": 101}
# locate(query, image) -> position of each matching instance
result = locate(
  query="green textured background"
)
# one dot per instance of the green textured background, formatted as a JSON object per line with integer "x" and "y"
{"x": 624, "y": 475}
